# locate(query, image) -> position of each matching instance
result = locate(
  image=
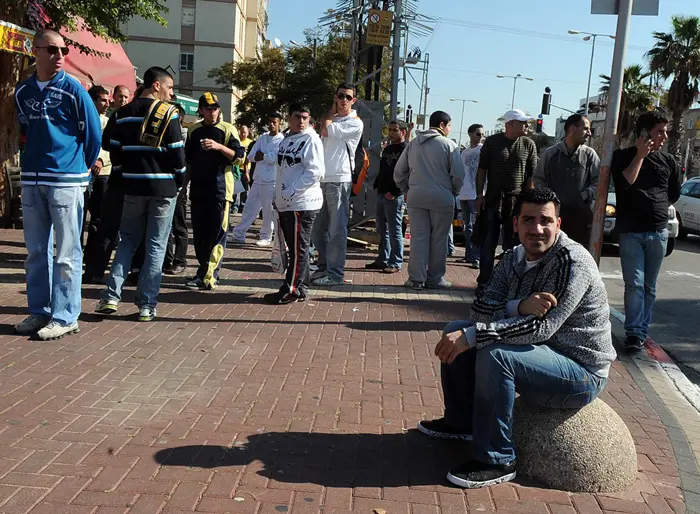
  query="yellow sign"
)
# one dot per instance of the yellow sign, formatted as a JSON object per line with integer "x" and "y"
{"x": 16, "y": 39}
{"x": 379, "y": 27}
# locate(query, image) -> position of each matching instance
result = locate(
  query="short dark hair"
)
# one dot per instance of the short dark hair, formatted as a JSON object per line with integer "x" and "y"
{"x": 402, "y": 124}
{"x": 155, "y": 74}
{"x": 474, "y": 127}
{"x": 96, "y": 91}
{"x": 648, "y": 121}
{"x": 573, "y": 121}
{"x": 298, "y": 107}
{"x": 538, "y": 196}
{"x": 275, "y": 115}
{"x": 439, "y": 117}
{"x": 345, "y": 85}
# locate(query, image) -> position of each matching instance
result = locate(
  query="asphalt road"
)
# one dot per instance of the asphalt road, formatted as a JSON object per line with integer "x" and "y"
{"x": 676, "y": 320}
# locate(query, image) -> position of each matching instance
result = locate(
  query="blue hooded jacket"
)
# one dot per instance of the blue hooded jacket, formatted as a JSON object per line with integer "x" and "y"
{"x": 63, "y": 132}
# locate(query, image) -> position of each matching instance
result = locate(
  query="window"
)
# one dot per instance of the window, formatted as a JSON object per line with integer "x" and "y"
{"x": 188, "y": 16}
{"x": 186, "y": 62}
{"x": 687, "y": 188}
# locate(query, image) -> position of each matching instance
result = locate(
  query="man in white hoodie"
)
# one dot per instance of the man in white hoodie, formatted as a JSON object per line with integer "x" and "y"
{"x": 298, "y": 198}
{"x": 341, "y": 134}
{"x": 262, "y": 193}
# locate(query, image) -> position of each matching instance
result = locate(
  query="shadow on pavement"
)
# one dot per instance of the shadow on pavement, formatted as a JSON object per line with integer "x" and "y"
{"x": 331, "y": 460}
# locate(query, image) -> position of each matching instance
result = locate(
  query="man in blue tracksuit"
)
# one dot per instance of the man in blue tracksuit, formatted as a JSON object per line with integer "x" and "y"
{"x": 63, "y": 136}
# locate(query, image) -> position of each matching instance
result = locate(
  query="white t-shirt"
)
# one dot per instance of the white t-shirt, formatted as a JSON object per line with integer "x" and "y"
{"x": 470, "y": 158}
{"x": 42, "y": 84}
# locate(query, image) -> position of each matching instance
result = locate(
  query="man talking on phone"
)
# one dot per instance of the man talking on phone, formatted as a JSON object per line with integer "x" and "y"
{"x": 647, "y": 180}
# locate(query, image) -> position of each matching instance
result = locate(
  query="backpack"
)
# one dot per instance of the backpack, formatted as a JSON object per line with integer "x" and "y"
{"x": 359, "y": 166}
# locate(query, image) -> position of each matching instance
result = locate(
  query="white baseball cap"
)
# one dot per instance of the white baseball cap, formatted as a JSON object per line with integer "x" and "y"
{"x": 517, "y": 115}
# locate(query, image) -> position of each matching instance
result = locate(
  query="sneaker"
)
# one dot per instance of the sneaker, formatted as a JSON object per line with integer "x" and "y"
{"x": 318, "y": 274}
{"x": 414, "y": 284}
{"x": 391, "y": 269}
{"x": 107, "y": 307}
{"x": 175, "y": 270}
{"x": 475, "y": 474}
{"x": 375, "y": 265}
{"x": 263, "y": 242}
{"x": 325, "y": 280}
{"x": 195, "y": 283}
{"x": 147, "y": 313}
{"x": 633, "y": 344}
{"x": 231, "y": 239}
{"x": 31, "y": 324}
{"x": 278, "y": 298}
{"x": 443, "y": 284}
{"x": 54, "y": 330}
{"x": 438, "y": 428}
{"x": 475, "y": 264}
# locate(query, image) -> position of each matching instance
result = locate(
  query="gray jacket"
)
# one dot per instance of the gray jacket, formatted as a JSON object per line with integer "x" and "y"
{"x": 431, "y": 169}
{"x": 578, "y": 327}
{"x": 573, "y": 176}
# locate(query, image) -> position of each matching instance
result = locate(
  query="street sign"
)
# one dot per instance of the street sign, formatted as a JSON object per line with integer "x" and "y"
{"x": 379, "y": 27}
{"x": 539, "y": 116}
{"x": 639, "y": 8}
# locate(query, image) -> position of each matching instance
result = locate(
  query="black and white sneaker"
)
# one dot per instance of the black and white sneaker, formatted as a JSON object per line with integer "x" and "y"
{"x": 475, "y": 474}
{"x": 438, "y": 428}
{"x": 633, "y": 344}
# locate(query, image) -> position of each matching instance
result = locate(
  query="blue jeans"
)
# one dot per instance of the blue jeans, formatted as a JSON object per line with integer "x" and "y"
{"x": 480, "y": 385}
{"x": 389, "y": 218}
{"x": 471, "y": 252}
{"x": 641, "y": 255}
{"x": 330, "y": 231}
{"x": 53, "y": 290}
{"x": 154, "y": 215}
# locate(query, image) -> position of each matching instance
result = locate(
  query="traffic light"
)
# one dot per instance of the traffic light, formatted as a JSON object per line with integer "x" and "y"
{"x": 538, "y": 129}
{"x": 546, "y": 101}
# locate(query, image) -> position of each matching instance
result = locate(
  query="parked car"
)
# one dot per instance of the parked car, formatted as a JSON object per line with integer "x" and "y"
{"x": 688, "y": 208}
{"x": 610, "y": 234}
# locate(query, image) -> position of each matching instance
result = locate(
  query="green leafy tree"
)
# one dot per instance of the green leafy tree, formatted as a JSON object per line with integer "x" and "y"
{"x": 637, "y": 98}
{"x": 677, "y": 54}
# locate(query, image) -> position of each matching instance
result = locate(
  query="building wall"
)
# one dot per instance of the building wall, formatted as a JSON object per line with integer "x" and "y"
{"x": 216, "y": 22}
{"x": 144, "y": 54}
{"x": 141, "y": 27}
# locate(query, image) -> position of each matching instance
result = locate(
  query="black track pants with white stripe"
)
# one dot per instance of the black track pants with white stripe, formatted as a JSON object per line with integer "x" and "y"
{"x": 296, "y": 227}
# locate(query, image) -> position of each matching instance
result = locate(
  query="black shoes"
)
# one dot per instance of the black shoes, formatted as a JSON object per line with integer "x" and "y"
{"x": 278, "y": 298}
{"x": 375, "y": 265}
{"x": 475, "y": 474}
{"x": 438, "y": 428}
{"x": 633, "y": 344}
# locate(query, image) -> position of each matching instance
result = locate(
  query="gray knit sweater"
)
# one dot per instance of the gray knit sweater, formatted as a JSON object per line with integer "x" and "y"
{"x": 578, "y": 327}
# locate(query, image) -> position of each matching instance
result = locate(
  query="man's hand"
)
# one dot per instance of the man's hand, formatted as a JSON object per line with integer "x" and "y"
{"x": 210, "y": 144}
{"x": 389, "y": 196}
{"x": 327, "y": 122}
{"x": 247, "y": 176}
{"x": 644, "y": 146}
{"x": 259, "y": 156}
{"x": 450, "y": 346}
{"x": 97, "y": 167}
{"x": 537, "y": 304}
{"x": 479, "y": 204}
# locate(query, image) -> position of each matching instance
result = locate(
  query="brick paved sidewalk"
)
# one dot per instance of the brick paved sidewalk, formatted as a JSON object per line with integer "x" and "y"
{"x": 225, "y": 404}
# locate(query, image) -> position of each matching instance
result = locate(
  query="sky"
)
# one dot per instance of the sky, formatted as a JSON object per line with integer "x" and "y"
{"x": 465, "y": 59}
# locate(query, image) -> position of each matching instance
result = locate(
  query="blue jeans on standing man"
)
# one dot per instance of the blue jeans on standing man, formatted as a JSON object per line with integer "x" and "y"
{"x": 389, "y": 219}
{"x": 479, "y": 390}
{"x": 53, "y": 283}
{"x": 154, "y": 215}
{"x": 471, "y": 251}
{"x": 330, "y": 231}
{"x": 641, "y": 255}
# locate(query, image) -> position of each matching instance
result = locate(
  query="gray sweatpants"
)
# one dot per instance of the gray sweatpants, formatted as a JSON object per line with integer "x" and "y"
{"x": 429, "y": 231}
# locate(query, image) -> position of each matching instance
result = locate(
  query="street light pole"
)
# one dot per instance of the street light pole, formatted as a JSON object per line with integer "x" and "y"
{"x": 461, "y": 123}
{"x": 515, "y": 83}
{"x": 590, "y": 36}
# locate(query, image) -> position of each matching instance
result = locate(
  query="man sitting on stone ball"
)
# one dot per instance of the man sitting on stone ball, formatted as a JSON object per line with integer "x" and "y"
{"x": 540, "y": 328}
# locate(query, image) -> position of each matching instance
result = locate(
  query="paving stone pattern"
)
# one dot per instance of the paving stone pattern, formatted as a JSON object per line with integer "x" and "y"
{"x": 225, "y": 404}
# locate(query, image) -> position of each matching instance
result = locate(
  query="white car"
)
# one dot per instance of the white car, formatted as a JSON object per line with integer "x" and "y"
{"x": 610, "y": 235}
{"x": 688, "y": 208}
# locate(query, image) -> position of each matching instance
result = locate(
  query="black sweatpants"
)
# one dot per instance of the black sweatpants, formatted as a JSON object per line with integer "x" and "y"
{"x": 98, "y": 190}
{"x": 209, "y": 226}
{"x": 176, "y": 251}
{"x": 296, "y": 227}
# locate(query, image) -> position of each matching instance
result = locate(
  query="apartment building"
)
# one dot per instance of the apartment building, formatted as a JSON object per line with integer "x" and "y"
{"x": 200, "y": 35}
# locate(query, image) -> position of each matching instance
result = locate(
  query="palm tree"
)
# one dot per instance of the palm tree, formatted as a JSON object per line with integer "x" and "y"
{"x": 677, "y": 54}
{"x": 637, "y": 97}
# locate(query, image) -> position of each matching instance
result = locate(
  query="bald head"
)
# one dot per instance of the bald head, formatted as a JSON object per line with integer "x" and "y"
{"x": 50, "y": 52}
{"x": 46, "y": 34}
{"x": 121, "y": 96}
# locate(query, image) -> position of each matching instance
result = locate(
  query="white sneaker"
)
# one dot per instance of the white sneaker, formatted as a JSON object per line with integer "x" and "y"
{"x": 54, "y": 330}
{"x": 263, "y": 242}
{"x": 31, "y": 324}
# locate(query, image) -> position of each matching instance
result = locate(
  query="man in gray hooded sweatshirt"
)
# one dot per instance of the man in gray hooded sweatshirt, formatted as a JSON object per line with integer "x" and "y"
{"x": 430, "y": 172}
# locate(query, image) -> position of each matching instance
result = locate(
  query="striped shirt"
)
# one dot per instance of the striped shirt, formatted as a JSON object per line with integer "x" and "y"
{"x": 508, "y": 164}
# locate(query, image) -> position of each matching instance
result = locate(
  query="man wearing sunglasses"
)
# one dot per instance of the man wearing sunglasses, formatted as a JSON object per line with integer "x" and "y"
{"x": 63, "y": 133}
{"x": 341, "y": 134}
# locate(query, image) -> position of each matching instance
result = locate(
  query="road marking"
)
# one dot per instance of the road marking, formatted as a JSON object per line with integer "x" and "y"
{"x": 615, "y": 275}
{"x": 682, "y": 274}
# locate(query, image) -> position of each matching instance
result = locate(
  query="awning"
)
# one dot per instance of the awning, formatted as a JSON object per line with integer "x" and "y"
{"x": 90, "y": 69}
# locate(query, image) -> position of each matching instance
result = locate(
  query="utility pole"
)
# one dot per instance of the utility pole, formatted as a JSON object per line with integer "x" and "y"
{"x": 611, "y": 116}
{"x": 398, "y": 22}
{"x": 350, "y": 73}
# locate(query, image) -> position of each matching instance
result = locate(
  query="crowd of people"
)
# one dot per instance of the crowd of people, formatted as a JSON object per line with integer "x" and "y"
{"x": 539, "y": 324}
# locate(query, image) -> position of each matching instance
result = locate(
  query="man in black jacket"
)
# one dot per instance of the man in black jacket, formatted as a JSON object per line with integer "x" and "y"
{"x": 647, "y": 180}
{"x": 390, "y": 203}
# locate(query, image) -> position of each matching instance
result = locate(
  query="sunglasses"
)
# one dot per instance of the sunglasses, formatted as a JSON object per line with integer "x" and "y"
{"x": 53, "y": 49}
{"x": 210, "y": 107}
{"x": 343, "y": 96}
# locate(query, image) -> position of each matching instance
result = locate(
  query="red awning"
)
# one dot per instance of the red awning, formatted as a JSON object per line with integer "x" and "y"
{"x": 93, "y": 70}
